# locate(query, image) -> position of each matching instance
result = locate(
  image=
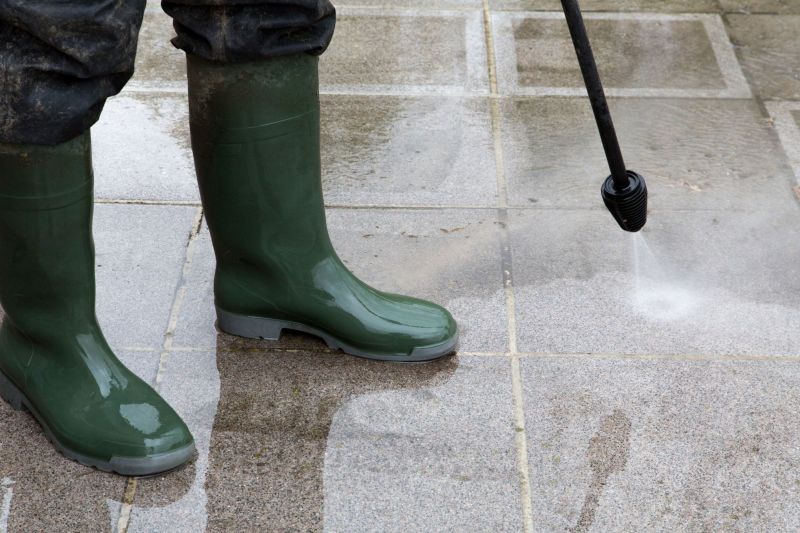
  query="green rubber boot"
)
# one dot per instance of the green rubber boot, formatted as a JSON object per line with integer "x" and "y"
{"x": 255, "y": 136}
{"x": 54, "y": 360}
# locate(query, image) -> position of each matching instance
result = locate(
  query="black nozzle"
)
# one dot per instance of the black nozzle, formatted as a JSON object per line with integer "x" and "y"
{"x": 628, "y": 204}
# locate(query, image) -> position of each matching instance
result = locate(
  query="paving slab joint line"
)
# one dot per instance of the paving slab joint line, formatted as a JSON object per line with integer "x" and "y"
{"x": 177, "y": 304}
{"x": 787, "y": 358}
{"x": 521, "y": 441}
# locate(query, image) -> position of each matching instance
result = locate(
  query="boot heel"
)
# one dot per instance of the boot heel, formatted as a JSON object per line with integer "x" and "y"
{"x": 249, "y": 326}
{"x": 10, "y": 393}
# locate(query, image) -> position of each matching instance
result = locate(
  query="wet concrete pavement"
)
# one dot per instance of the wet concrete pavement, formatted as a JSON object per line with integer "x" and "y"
{"x": 604, "y": 383}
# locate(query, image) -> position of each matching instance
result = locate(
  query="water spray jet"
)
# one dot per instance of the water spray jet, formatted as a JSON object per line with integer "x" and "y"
{"x": 624, "y": 192}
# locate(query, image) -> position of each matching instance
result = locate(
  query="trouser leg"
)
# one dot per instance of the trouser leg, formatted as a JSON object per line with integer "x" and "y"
{"x": 59, "y": 61}
{"x": 246, "y": 30}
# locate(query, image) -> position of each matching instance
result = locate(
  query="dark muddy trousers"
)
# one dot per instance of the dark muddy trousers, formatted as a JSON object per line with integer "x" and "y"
{"x": 61, "y": 59}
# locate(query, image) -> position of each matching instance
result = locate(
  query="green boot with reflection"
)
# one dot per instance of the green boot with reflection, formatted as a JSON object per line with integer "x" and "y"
{"x": 54, "y": 360}
{"x": 256, "y": 142}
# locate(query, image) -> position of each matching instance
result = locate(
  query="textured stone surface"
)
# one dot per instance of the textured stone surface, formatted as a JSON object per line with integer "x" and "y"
{"x": 761, "y": 6}
{"x": 41, "y": 490}
{"x": 697, "y": 282}
{"x": 663, "y": 445}
{"x": 405, "y": 51}
{"x": 142, "y": 149}
{"x": 410, "y": 151}
{"x": 300, "y": 440}
{"x": 158, "y": 64}
{"x": 663, "y": 6}
{"x": 688, "y": 150}
{"x": 630, "y": 54}
{"x": 140, "y": 254}
{"x": 769, "y": 51}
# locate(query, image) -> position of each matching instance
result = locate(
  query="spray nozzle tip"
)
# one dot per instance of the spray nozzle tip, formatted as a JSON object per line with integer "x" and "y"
{"x": 628, "y": 205}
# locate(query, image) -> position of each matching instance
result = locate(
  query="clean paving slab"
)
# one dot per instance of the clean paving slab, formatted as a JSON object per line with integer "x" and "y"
{"x": 695, "y": 154}
{"x": 769, "y": 52}
{"x": 425, "y": 150}
{"x": 692, "y": 283}
{"x": 306, "y": 441}
{"x": 142, "y": 150}
{"x": 622, "y": 445}
{"x": 450, "y": 257}
{"x": 140, "y": 253}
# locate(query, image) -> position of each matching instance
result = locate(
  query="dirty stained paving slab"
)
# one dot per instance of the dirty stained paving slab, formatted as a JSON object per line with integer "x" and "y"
{"x": 695, "y": 154}
{"x": 663, "y": 445}
{"x": 769, "y": 51}
{"x": 372, "y": 51}
{"x": 304, "y": 440}
{"x": 676, "y": 54}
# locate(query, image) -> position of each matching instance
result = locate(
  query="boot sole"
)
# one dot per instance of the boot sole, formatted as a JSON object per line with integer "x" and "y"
{"x": 126, "y": 466}
{"x": 270, "y": 329}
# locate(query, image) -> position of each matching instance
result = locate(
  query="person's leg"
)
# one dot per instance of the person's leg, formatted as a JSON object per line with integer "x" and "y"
{"x": 254, "y": 112}
{"x": 59, "y": 64}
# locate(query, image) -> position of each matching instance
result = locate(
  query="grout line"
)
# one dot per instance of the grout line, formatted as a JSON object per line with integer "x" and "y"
{"x": 518, "y": 92}
{"x": 521, "y": 445}
{"x": 788, "y": 131}
{"x": 439, "y": 207}
{"x": 506, "y": 262}
{"x": 177, "y": 304}
{"x": 127, "y": 505}
{"x": 180, "y": 296}
{"x": 638, "y": 357}
{"x": 191, "y": 203}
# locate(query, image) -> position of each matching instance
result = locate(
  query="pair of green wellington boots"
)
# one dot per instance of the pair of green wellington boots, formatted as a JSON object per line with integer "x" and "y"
{"x": 255, "y": 137}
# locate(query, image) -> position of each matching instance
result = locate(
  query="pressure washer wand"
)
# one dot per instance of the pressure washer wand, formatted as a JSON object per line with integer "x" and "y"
{"x": 624, "y": 192}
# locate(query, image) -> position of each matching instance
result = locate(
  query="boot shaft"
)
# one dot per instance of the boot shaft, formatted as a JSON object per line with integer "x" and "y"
{"x": 256, "y": 142}
{"x": 46, "y": 250}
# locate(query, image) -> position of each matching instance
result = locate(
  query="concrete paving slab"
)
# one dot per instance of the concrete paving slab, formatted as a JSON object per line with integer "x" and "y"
{"x": 450, "y": 257}
{"x": 663, "y": 6}
{"x": 769, "y": 52}
{"x": 142, "y": 149}
{"x": 638, "y": 55}
{"x": 401, "y": 51}
{"x": 630, "y": 53}
{"x": 693, "y": 283}
{"x": 663, "y": 445}
{"x": 159, "y": 65}
{"x": 761, "y": 6}
{"x": 140, "y": 255}
{"x": 40, "y": 490}
{"x": 438, "y": 4}
{"x": 305, "y": 441}
{"x": 407, "y": 151}
{"x": 695, "y": 154}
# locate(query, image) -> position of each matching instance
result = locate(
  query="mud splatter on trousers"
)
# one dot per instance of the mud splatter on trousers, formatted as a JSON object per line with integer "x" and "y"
{"x": 61, "y": 59}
